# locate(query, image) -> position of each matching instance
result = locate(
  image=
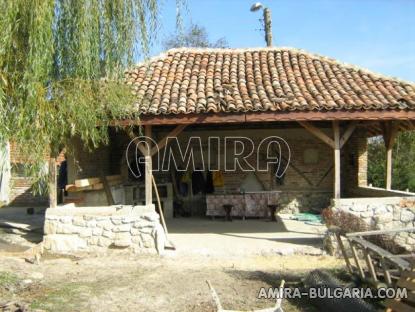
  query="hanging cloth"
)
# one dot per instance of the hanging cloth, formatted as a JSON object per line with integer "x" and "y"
{"x": 209, "y": 183}
{"x": 217, "y": 178}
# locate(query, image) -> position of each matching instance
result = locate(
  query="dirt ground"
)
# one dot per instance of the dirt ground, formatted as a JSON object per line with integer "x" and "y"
{"x": 237, "y": 259}
{"x": 125, "y": 282}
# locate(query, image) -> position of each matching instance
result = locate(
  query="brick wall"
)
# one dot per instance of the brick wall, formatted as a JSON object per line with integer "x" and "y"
{"x": 85, "y": 163}
{"x": 20, "y": 190}
{"x": 354, "y": 163}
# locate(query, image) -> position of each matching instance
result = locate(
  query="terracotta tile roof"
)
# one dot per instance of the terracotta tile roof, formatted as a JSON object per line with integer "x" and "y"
{"x": 264, "y": 79}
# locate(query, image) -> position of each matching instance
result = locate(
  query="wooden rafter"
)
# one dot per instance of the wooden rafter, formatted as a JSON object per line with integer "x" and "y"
{"x": 349, "y": 131}
{"x": 162, "y": 143}
{"x": 317, "y": 132}
{"x": 142, "y": 148}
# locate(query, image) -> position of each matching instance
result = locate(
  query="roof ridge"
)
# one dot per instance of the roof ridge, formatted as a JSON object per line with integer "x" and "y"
{"x": 313, "y": 55}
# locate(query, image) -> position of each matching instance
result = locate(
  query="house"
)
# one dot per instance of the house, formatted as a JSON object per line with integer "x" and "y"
{"x": 298, "y": 95}
{"x": 324, "y": 110}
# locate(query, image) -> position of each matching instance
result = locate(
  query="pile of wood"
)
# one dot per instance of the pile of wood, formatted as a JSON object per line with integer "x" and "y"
{"x": 93, "y": 184}
{"x": 382, "y": 267}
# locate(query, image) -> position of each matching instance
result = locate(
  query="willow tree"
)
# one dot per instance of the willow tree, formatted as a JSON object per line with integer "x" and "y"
{"x": 61, "y": 69}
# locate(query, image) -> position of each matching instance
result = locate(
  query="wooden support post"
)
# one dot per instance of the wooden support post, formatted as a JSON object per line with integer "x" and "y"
{"x": 390, "y": 130}
{"x": 107, "y": 189}
{"x": 337, "y": 186}
{"x": 389, "y": 168}
{"x": 53, "y": 200}
{"x": 148, "y": 168}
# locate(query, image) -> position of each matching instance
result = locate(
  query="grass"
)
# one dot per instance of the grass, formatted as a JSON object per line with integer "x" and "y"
{"x": 67, "y": 297}
{"x": 7, "y": 279}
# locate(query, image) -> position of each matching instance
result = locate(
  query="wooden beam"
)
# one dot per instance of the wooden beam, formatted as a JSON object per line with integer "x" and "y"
{"x": 389, "y": 168}
{"x": 317, "y": 132}
{"x": 349, "y": 131}
{"x": 390, "y": 131}
{"x": 234, "y": 117}
{"x": 148, "y": 168}
{"x": 140, "y": 146}
{"x": 107, "y": 189}
{"x": 162, "y": 143}
{"x": 337, "y": 186}
{"x": 53, "y": 198}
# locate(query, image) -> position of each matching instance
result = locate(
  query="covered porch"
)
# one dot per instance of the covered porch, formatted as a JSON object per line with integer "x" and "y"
{"x": 324, "y": 160}
{"x": 322, "y": 110}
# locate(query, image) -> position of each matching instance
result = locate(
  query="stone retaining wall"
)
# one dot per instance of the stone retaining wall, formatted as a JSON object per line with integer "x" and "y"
{"x": 69, "y": 228}
{"x": 304, "y": 201}
{"x": 384, "y": 213}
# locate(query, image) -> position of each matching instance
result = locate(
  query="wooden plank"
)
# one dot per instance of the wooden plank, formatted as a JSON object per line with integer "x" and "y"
{"x": 112, "y": 179}
{"x": 108, "y": 193}
{"x": 389, "y": 168}
{"x": 87, "y": 182}
{"x": 317, "y": 132}
{"x": 52, "y": 182}
{"x": 213, "y": 118}
{"x": 148, "y": 169}
{"x": 386, "y": 272}
{"x": 380, "y": 251}
{"x": 356, "y": 259}
{"x": 94, "y": 187}
{"x": 349, "y": 131}
{"x": 337, "y": 166}
{"x": 162, "y": 143}
{"x": 344, "y": 253}
{"x": 380, "y": 232}
{"x": 369, "y": 264}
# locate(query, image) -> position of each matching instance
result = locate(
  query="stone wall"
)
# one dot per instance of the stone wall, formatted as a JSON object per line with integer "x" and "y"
{"x": 384, "y": 213}
{"x": 70, "y": 229}
{"x": 304, "y": 201}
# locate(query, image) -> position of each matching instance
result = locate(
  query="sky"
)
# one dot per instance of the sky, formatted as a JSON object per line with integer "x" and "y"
{"x": 378, "y": 35}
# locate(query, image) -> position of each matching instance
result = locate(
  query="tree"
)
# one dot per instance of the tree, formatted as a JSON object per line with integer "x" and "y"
{"x": 195, "y": 37}
{"x": 403, "y": 165}
{"x": 61, "y": 65}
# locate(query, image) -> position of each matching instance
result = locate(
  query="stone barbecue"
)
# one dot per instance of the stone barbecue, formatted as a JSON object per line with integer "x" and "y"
{"x": 69, "y": 228}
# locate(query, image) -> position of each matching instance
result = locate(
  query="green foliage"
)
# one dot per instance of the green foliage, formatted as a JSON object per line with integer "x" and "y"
{"x": 195, "y": 37}
{"x": 403, "y": 171}
{"x": 54, "y": 55}
{"x": 376, "y": 162}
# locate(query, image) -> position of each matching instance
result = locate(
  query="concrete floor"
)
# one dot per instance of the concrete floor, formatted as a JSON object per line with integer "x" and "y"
{"x": 194, "y": 236}
{"x": 245, "y": 237}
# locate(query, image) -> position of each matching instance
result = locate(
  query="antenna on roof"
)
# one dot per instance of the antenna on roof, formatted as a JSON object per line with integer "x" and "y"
{"x": 267, "y": 21}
